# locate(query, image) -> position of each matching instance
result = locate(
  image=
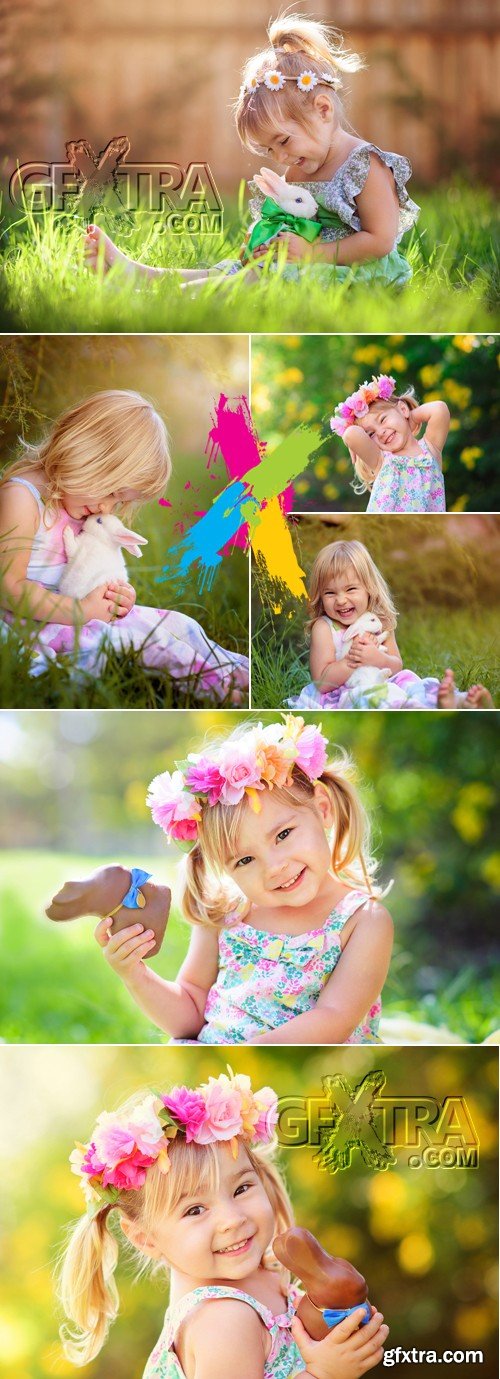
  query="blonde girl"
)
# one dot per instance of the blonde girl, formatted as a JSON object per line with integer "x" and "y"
{"x": 108, "y": 454}
{"x": 352, "y": 620}
{"x": 380, "y": 429}
{"x": 208, "y": 1224}
{"x": 290, "y": 944}
{"x": 290, "y": 110}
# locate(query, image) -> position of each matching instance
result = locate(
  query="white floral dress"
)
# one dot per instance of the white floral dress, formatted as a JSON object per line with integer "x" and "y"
{"x": 283, "y": 1361}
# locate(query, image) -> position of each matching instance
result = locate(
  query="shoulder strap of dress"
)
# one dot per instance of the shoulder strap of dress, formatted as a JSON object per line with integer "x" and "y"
{"x": 349, "y": 904}
{"x": 333, "y": 629}
{"x": 431, "y": 451}
{"x": 180, "y": 1310}
{"x": 17, "y": 479}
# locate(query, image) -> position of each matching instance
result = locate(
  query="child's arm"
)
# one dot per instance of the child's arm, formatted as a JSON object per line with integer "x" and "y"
{"x": 367, "y": 651}
{"x": 177, "y": 1007}
{"x": 358, "y": 440}
{"x": 18, "y": 526}
{"x": 326, "y": 672}
{"x": 378, "y": 211}
{"x": 347, "y": 1352}
{"x": 220, "y": 1328}
{"x": 352, "y": 988}
{"x": 436, "y": 418}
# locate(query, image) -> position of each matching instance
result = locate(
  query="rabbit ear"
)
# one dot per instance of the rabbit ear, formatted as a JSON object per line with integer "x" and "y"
{"x": 131, "y": 540}
{"x": 269, "y": 182}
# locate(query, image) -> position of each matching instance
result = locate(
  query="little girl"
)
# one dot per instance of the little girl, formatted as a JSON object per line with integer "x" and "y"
{"x": 290, "y": 110}
{"x": 345, "y": 584}
{"x": 380, "y": 429}
{"x": 209, "y": 1222}
{"x": 290, "y": 944}
{"x": 107, "y": 454}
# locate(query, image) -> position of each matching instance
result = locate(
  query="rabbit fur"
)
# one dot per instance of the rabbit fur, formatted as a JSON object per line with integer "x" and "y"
{"x": 95, "y": 555}
{"x": 364, "y": 677}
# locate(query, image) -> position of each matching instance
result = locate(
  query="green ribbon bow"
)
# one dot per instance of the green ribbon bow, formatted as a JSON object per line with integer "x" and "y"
{"x": 274, "y": 218}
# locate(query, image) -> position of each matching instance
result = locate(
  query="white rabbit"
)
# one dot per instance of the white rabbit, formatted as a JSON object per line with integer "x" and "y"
{"x": 294, "y": 200}
{"x": 95, "y": 556}
{"x": 364, "y": 677}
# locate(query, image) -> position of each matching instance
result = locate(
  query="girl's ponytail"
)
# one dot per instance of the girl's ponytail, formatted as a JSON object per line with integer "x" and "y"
{"x": 294, "y": 34}
{"x": 351, "y": 854}
{"x": 204, "y": 898}
{"x": 87, "y": 1288}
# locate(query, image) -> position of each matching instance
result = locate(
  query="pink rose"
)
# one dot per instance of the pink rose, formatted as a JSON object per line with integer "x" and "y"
{"x": 131, "y": 1173}
{"x": 311, "y": 752}
{"x": 204, "y": 778}
{"x": 186, "y": 1107}
{"x": 267, "y": 1102}
{"x": 238, "y": 765}
{"x": 184, "y": 831}
{"x": 338, "y": 425}
{"x": 170, "y": 803}
{"x": 90, "y": 1164}
{"x": 345, "y": 410}
{"x": 359, "y": 406}
{"x": 386, "y": 386}
{"x": 113, "y": 1141}
{"x": 222, "y": 1113}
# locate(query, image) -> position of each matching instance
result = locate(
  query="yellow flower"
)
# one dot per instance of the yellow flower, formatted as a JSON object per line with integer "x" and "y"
{"x": 454, "y": 424}
{"x": 430, "y": 374}
{"x": 292, "y": 342}
{"x": 395, "y": 339}
{"x": 367, "y": 354}
{"x": 458, "y": 393}
{"x": 308, "y": 411}
{"x": 464, "y": 342}
{"x": 289, "y": 376}
{"x": 321, "y": 469}
{"x": 342, "y": 466}
{"x": 490, "y": 869}
{"x": 460, "y": 504}
{"x": 470, "y": 455}
{"x": 260, "y": 398}
{"x": 302, "y": 486}
{"x": 399, "y": 362}
{"x": 330, "y": 491}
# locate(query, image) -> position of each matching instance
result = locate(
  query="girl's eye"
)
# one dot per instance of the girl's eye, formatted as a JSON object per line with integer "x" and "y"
{"x": 284, "y": 141}
{"x": 284, "y": 834}
{"x": 243, "y": 861}
{"x": 193, "y": 1211}
{"x": 243, "y": 1187}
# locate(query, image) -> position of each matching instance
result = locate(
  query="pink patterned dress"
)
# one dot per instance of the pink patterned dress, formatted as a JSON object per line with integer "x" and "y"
{"x": 405, "y": 690}
{"x": 284, "y": 1358}
{"x": 166, "y": 640}
{"x": 265, "y": 979}
{"x": 408, "y": 483}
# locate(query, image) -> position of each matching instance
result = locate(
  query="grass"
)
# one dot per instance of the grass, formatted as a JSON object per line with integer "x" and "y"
{"x": 429, "y": 642}
{"x": 221, "y": 610}
{"x": 57, "y": 987}
{"x": 455, "y": 285}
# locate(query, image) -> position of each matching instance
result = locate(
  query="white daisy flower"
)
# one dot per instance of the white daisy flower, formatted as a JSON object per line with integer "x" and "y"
{"x": 252, "y": 84}
{"x": 274, "y": 80}
{"x": 307, "y": 81}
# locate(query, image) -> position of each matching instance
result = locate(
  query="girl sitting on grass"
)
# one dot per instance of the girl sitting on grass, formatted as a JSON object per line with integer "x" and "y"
{"x": 290, "y": 111}
{"x": 345, "y": 584}
{"x": 108, "y": 454}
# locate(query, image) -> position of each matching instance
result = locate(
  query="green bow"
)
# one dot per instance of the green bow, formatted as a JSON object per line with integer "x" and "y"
{"x": 274, "y": 218}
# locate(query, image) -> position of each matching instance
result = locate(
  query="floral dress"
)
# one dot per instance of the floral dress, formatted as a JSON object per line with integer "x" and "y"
{"x": 402, "y": 691}
{"x": 339, "y": 195}
{"x": 265, "y": 979}
{"x": 165, "y": 639}
{"x": 283, "y": 1361}
{"x": 409, "y": 483}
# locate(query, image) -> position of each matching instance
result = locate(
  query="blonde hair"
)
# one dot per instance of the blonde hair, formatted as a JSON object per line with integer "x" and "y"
{"x": 208, "y": 897}
{"x": 331, "y": 563}
{"x": 296, "y": 43}
{"x": 86, "y": 1283}
{"x": 362, "y": 470}
{"x": 113, "y": 439}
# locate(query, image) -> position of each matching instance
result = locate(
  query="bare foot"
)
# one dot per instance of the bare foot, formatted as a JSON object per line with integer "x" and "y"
{"x": 446, "y": 692}
{"x": 478, "y": 697}
{"x": 99, "y": 249}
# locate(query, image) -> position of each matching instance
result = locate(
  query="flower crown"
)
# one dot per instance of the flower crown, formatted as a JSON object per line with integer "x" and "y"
{"x": 275, "y": 80}
{"x": 242, "y": 766}
{"x": 123, "y": 1147}
{"x": 346, "y": 413}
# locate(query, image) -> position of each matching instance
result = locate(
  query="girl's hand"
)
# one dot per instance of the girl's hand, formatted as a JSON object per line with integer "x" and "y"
{"x": 348, "y": 1351}
{"x": 97, "y": 605}
{"x": 126, "y": 950}
{"x": 122, "y": 595}
{"x": 297, "y": 247}
{"x": 365, "y": 652}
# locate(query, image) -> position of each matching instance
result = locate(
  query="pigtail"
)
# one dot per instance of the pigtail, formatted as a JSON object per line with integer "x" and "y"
{"x": 87, "y": 1288}
{"x": 206, "y": 899}
{"x": 295, "y": 34}
{"x": 352, "y": 861}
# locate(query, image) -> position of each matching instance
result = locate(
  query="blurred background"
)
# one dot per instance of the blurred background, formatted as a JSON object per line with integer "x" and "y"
{"x": 74, "y": 787}
{"x": 42, "y": 376}
{"x": 425, "y": 1240}
{"x": 444, "y": 577}
{"x": 166, "y": 77}
{"x": 301, "y": 378}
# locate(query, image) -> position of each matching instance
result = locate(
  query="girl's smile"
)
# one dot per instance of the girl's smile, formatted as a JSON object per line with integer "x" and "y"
{"x": 345, "y": 599}
{"x": 389, "y": 428}
{"x": 283, "y": 858}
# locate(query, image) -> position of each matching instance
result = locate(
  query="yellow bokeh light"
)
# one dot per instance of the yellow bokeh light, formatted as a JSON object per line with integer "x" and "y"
{"x": 416, "y": 1254}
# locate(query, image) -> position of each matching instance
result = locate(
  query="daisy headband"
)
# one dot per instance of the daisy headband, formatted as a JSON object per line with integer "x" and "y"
{"x": 124, "y": 1146}
{"x": 241, "y": 767}
{"x": 347, "y": 413}
{"x": 275, "y": 81}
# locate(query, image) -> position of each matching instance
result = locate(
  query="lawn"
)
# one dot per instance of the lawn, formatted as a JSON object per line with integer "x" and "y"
{"x": 57, "y": 987}
{"x": 454, "y": 286}
{"x": 429, "y": 642}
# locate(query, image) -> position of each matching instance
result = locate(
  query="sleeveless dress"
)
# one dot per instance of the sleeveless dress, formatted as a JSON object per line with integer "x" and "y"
{"x": 339, "y": 194}
{"x": 166, "y": 640}
{"x": 284, "y": 1359}
{"x": 402, "y": 691}
{"x": 265, "y": 979}
{"x": 409, "y": 483}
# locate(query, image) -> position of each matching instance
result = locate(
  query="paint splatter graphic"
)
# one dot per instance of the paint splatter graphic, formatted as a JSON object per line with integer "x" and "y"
{"x": 251, "y": 510}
